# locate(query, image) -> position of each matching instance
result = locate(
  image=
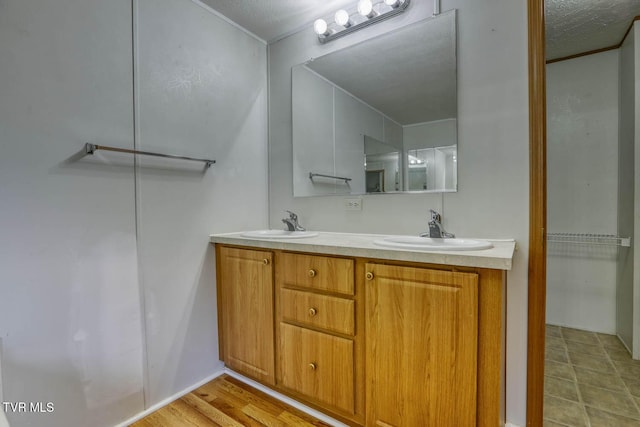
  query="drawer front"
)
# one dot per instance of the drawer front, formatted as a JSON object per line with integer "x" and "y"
{"x": 318, "y": 365}
{"x": 318, "y": 272}
{"x": 330, "y": 313}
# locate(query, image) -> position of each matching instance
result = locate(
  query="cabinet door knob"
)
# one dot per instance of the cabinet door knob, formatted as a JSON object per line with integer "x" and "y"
{"x": 312, "y": 366}
{"x": 265, "y": 261}
{"x": 369, "y": 275}
{"x": 312, "y": 273}
{"x": 313, "y": 312}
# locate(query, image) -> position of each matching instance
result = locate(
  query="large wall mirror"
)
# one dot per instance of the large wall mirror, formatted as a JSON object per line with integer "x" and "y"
{"x": 379, "y": 116}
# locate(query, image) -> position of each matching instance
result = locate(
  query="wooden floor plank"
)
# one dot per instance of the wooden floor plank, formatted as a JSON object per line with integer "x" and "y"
{"x": 228, "y": 402}
{"x": 235, "y": 412}
{"x": 293, "y": 420}
{"x": 209, "y": 411}
{"x": 263, "y": 417}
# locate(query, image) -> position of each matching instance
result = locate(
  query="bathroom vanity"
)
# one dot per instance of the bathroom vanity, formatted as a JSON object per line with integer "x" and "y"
{"x": 369, "y": 335}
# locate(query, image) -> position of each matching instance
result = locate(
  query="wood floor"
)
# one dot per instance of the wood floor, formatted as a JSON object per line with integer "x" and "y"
{"x": 227, "y": 402}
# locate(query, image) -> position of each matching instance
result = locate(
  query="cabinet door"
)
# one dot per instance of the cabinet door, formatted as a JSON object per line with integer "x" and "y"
{"x": 246, "y": 291}
{"x": 318, "y": 365}
{"x": 421, "y": 342}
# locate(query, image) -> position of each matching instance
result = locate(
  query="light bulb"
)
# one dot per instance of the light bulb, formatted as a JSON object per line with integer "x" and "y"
{"x": 320, "y": 27}
{"x": 365, "y": 8}
{"x": 342, "y": 18}
{"x": 392, "y": 3}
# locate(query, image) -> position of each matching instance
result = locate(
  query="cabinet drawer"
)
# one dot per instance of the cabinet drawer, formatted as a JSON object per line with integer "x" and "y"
{"x": 330, "y": 313}
{"x": 318, "y": 272}
{"x": 318, "y": 365}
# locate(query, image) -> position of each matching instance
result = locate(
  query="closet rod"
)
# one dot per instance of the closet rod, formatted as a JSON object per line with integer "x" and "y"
{"x": 92, "y": 148}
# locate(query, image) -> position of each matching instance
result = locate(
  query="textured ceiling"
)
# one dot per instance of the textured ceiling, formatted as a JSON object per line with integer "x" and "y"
{"x": 273, "y": 19}
{"x": 578, "y": 26}
{"x": 572, "y": 26}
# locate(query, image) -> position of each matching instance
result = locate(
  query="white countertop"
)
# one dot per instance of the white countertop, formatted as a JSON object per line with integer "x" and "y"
{"x": 361, "y": 245}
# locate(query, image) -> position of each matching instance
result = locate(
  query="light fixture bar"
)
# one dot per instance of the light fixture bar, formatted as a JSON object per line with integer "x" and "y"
{"x": 324, "y": 38}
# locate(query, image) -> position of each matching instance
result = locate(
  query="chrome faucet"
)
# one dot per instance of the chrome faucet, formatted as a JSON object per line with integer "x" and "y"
{"x": 436, "y": 230}
{"x": 292, "y": 222}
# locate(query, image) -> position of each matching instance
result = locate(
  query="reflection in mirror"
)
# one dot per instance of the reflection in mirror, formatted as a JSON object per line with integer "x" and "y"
{"x": 382, "y": 166}
{"x": 389, "y": 100}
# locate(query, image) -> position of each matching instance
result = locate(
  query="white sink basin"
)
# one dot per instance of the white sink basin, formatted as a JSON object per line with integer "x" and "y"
{"x": 431, "y": 244}
{"x": 279, "y": 234}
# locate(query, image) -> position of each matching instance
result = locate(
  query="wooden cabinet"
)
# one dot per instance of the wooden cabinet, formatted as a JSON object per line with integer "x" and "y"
{"x": 318, "y": 365}
{"x": 422, "y": 330}
{"x": 370, "y": 342}
{"x": 245, "y": 292}
{"x": 319, "y": 344}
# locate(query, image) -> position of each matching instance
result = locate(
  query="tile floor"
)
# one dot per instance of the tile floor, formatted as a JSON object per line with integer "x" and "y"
{"x": 590, "y": 380}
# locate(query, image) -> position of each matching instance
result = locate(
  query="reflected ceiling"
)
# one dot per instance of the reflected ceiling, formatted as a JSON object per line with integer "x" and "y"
{"x": 408, "y": 79}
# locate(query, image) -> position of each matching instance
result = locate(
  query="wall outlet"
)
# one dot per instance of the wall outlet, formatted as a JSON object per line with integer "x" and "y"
{"x": 353, "y": 204}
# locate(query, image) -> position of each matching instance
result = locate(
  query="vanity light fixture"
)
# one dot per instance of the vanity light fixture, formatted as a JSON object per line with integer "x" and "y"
{"x": 365, "y": 8}
{"x": 343, "y": 19}
{"x": 367, "y": 12}
{"x": 321, "y": 28}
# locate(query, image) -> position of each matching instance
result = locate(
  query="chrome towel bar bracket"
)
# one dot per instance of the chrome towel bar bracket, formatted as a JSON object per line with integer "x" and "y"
{"x": 92, "y": 148}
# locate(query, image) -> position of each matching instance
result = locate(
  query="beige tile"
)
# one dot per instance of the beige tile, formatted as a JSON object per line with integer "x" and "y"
{"x": 549, "y": 423}
{"x": 579, "y": 347}
{"x": 629, "y": 369}
{"x": 577, "y": 335}
{"x": 599, "y": 379}
{"x": 610, "y": 401}
{"x": 633, "y": 384}
{"x": 559, "y": 370}
{"x": 564, "y": 412}
{"x": 556, "y": 354}
{"x": 601, "y": 418}
{"x": 595, "y": 363}
{"x": 618, "y": 354}
{"x": 554, "y": 342}
{"x": 560, "y": 388}
{"x": 553, "y": 331}
{"x": 611, "y": 341}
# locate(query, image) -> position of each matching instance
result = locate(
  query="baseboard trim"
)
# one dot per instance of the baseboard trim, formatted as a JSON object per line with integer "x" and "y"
{"x": 289, "y": 401}
{"x": 170, "y": 399}
{"x": 281, "y": 397}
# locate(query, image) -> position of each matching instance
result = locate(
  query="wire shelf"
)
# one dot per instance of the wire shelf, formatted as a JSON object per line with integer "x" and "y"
{"x": 589, "y": 239}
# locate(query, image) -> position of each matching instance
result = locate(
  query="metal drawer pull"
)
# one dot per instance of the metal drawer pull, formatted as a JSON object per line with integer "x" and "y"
{"x": 369, "y": 275}
{"x": 312, "y": 273}
{"x": 312, "y": 366}
{"x": 313, "y": 312}
{"x": 265, "y": 261}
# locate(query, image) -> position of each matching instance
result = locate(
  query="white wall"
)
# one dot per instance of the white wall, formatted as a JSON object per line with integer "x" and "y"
{"x": 628, "y": 267}
{"x": 202, "y": 92}
{"x": 70, "y": 306}
{"x": 86, "y": 243}
{"x": 493, "y": 153}
{"x": 582, "y": 190}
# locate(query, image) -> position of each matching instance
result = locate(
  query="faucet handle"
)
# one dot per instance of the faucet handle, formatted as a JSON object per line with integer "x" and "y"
{"x": 292, "y": 215}
{"x": 435, "y": 216}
